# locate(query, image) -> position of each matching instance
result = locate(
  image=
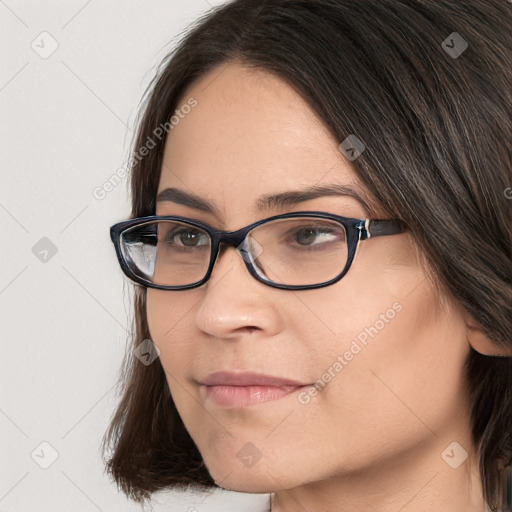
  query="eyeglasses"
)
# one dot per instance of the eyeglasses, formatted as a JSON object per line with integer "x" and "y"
{"x": 292, "y": 251}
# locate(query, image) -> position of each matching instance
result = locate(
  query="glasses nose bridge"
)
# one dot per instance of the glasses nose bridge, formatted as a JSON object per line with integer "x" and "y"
{"x": 233, "y": 238}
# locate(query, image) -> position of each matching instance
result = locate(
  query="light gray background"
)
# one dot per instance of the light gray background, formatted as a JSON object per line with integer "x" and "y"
{"x": 66, "y": 124}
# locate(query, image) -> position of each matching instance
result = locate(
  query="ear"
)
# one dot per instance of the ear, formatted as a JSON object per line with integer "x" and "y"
{"x": 480, "y": 342}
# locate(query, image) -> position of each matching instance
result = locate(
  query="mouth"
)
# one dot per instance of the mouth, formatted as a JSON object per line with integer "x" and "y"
{"x": 245, "y": 396}
{"x": 229, "y": 389}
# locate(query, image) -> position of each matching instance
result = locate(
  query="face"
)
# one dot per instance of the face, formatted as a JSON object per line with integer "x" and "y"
{"x": 386, "y": 358}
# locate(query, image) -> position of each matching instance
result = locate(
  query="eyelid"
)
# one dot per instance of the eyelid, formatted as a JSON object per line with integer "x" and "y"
{"x": 200, "y": 217}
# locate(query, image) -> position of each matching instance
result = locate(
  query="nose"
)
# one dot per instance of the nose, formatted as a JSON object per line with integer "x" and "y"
{"x": 234, "y": 302}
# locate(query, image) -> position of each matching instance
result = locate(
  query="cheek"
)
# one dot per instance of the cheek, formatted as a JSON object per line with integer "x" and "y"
{"x": 169, "y": 327}
{"x": 160, "y": 314}
{"x": 402, "y": 355}
{"x": 170, "y": 330}
{"x": 404, "y": 381}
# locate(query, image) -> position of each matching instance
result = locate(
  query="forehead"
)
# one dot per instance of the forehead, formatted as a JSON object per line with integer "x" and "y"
{"x": 249, "y": 134}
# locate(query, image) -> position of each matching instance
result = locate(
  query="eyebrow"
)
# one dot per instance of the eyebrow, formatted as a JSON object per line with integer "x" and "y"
{"x": 266, "y": 202}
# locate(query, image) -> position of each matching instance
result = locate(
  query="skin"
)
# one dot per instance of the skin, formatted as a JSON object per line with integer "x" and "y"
{"x": 373, "y": 438}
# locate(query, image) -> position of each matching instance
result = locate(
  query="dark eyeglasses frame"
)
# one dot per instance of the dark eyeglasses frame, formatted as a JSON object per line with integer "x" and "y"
{"x": 356, "y": 230}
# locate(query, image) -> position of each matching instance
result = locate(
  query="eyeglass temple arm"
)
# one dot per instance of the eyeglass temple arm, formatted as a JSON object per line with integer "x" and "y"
{"x": 373, "y": 228}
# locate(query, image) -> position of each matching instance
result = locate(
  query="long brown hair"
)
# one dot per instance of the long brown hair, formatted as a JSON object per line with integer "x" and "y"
{"x": 437, "y": 127}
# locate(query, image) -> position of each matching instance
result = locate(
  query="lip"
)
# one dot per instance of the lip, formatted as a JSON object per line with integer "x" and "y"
{"x": 225, "y": 378}
{"x": 238, "y": 390}
{"x": 236, "y": 397}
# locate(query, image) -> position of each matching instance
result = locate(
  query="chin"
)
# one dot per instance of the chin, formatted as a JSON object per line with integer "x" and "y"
{"x": 249, "y": 485}
{"x": 248, "y": 480}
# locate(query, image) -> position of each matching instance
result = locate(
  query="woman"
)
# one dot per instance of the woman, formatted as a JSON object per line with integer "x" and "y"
{"x": 319, "y": 131}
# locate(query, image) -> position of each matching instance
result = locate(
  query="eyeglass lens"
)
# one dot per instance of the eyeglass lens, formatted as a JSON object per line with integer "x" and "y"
{"x": 296, "y": 251}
